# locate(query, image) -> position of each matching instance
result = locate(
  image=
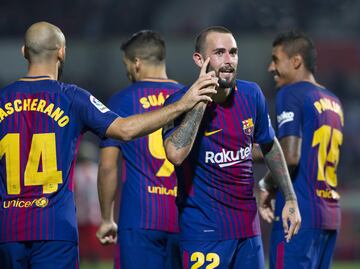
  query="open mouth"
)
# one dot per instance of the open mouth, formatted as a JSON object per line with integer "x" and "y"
{"x": 226, "y": 70}
{"x": 226, "y": 73}
{"x": 275, "y": 75}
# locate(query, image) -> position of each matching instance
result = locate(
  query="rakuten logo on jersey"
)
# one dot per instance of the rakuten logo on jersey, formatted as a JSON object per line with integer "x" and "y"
{"x": 284, "y": 117}
{"x": 226, "y": 158}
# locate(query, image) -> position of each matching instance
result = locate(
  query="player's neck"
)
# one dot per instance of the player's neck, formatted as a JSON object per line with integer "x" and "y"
{"x": 308, "y": 77}
{"x": 153, "y": 72}
{"x": 35, "y": 70}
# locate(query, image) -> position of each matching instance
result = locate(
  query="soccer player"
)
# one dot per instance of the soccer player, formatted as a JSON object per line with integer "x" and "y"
{"x": 148, "y": 223}
{"x": 211, "y": 147}
{"x": 41, "y": 121}
{"x": 310, "y": 121}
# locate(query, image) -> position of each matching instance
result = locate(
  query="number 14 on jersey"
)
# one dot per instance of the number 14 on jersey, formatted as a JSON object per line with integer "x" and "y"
{"x": 42, "y": 154}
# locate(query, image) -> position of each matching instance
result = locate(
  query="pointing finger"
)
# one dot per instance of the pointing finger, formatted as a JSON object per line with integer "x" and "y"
{"x": 204, "y": 66}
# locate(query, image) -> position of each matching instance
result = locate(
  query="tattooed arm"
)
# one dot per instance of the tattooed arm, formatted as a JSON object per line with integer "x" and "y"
{"x": 280, "y": 177}
{"x": 178, "y": 145}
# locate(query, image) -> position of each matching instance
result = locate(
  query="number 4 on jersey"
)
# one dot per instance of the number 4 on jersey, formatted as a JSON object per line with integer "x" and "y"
{"x": 157, "y": 150}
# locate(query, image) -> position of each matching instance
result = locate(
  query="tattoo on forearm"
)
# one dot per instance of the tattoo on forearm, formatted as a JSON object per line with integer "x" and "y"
{"x": 186, "y": 132}
{"x": 279, "y": 171}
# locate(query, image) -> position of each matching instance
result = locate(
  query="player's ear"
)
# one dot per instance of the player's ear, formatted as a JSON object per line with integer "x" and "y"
{"x": 198, "y": 59}
{"x": 297, "y": 61}
{"x": 137, "y": 63}
{"x": 24, "y": 52}
{"x": 61, "y": 54}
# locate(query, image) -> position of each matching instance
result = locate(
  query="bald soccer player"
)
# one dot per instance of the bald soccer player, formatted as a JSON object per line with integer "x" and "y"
{"x": 41, "y": 122}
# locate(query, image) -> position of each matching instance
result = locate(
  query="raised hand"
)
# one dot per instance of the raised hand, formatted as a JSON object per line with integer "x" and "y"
{"x": 202, "y": 89}
{"x": 107, "y": 232}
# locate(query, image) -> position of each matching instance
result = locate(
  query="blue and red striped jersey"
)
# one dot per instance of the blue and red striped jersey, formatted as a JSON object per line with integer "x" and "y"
{"x": 41, "y": 121}
{"x": 215, "y": 196}
{"x": 149, "y": 189}
{"x": 315, "y": 115}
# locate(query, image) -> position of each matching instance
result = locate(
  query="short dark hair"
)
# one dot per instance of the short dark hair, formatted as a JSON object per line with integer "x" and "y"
{"x": 146, "y": 45}
{"x": 297, "y": 42}
{"x": 200, "y": 39}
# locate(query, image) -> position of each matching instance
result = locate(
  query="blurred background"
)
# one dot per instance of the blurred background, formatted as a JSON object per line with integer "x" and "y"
{"x": 95, "y": 29}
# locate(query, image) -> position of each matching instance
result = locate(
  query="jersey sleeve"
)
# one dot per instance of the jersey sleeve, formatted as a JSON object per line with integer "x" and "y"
{"x": 93, "y": 114}
{"x": 118, "y": 104}
{"x": 288, "y": 113}
{"x": 171, "y": 127}
{"x": 264, "y": 132}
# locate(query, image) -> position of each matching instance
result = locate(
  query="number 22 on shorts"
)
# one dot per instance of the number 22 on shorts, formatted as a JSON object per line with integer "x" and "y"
{"x": 199, "y": 258}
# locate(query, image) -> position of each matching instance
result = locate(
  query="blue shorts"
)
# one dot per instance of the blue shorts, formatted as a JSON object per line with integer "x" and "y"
{"x": 232, "y": 254}
{"x": 148, "y": 249}
{"x": 310, "y": 249}
{"x": 39, "y": 255}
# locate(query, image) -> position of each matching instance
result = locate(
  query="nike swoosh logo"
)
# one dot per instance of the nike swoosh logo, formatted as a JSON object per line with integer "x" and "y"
{"x": 212, "y": 132}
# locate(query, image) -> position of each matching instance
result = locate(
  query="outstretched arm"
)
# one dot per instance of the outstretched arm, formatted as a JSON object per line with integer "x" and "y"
{"x": 142, "y": 124}
{"x": 107, "y": 187}
{"x": 280, "y": 177}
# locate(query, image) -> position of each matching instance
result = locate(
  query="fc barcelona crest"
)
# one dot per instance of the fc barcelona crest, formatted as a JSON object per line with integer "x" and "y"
{"x": 248, "y": 126}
